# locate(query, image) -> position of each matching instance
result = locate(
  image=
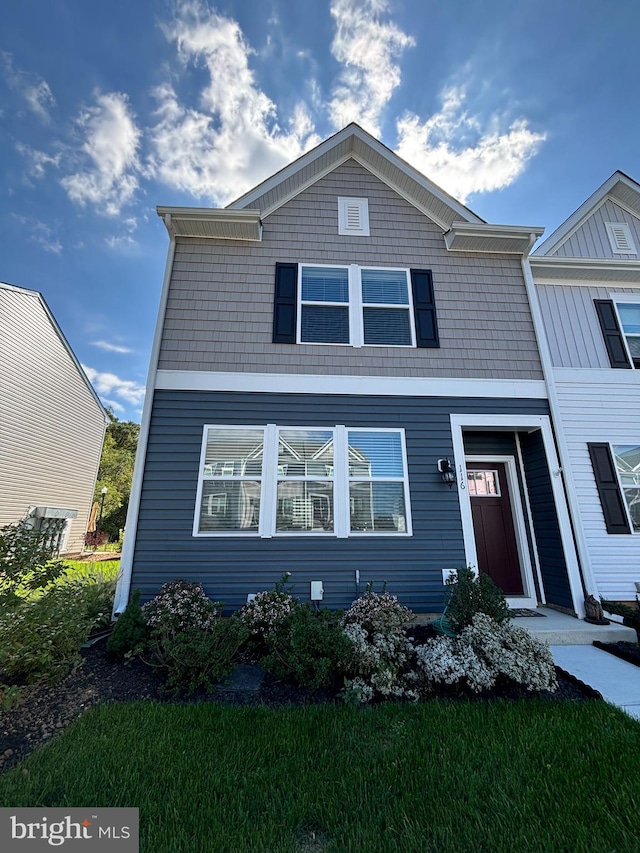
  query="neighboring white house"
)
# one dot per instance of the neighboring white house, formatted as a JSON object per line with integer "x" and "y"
{"x": 52, "y": 423}
{"x": 587, "y": 276}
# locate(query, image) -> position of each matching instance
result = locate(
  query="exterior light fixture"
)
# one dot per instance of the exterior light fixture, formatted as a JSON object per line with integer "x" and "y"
{"x": 447, "y": 472}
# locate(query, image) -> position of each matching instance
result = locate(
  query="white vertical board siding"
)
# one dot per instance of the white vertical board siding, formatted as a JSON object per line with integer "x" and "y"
{"x": 51, "y": 426}
{"x": 603, "y": 411}
{"x": 571, "y": 323}
{"x": 590, "y": 240}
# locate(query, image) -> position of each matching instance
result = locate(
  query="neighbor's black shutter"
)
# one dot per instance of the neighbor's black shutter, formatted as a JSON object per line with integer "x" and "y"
{"x": 424, "y": 308}
{"x": 285, "y": 304}
{"x": 611, "y": 332}
{"x": 613, "y": 506}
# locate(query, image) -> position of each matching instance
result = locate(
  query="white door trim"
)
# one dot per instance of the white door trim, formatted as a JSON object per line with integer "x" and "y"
{"x": 517, "y": 423}
{"x": 529, "y": 599}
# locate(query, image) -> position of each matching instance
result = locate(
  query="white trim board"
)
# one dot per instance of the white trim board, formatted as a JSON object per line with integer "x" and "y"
{"x": 385, "y": 386}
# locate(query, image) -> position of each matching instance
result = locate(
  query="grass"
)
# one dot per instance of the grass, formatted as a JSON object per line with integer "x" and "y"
{"x": 447, "y": 777}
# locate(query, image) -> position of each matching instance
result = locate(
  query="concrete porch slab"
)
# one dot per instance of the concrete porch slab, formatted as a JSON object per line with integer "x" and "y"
{"x": 617, "y": 680}
{"x": 560, "y": 629}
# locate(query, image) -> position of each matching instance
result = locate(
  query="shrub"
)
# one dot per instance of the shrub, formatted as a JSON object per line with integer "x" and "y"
{"x": 42, "y": 638}
{"x": 308, "y": 647}
{"x": 484, "y": 653}
{"x": 28, "y": 562}
{"x": 630, "y": 615}
{"x": 180, "y": 605}
{"x": 268, "y": 611}
{"x": 470, "y": 593}
{"x": 374, "y": 625}
{"x": 196, "y": 658}
{"x": 130, "y": 632}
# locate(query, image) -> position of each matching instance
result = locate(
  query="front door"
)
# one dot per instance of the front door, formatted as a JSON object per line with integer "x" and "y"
{"x": 493, "y": 527}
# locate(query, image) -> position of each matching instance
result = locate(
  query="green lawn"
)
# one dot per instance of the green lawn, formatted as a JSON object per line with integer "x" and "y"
{"x": 506, "y": 776}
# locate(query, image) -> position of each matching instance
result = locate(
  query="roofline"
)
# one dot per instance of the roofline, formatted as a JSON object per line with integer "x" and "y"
{"x": 36, "y": 293}
{"x": 573, "y": 221}
{"x": 354, "y": 130}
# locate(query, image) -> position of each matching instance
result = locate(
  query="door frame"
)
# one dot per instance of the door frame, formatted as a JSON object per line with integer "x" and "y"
{"x": 529, "y": 598}
{"x": 517, "y": 423}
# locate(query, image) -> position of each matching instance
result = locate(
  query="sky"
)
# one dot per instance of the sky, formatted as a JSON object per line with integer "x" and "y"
{"x": 520, "y": 110}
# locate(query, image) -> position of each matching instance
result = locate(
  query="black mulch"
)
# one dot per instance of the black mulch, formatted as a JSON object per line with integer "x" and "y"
{"x": 47, "y": 709}
{"x": 627, "y": 651}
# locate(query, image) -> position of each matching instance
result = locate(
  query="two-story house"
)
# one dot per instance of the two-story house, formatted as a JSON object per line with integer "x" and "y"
{"x": 346, "y": 384}
{"x": 587, "y": 276}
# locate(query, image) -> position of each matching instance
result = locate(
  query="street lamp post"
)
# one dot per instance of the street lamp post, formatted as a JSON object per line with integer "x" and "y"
{"x": 103, "y": 492}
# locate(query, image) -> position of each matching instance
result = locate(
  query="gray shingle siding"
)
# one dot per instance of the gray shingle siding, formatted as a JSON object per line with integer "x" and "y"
{"x": 220, "y": 305}
{"x": 230, "y": 568}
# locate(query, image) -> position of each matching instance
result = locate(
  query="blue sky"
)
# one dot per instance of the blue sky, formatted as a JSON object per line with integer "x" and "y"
{"x": 107, "y": 110}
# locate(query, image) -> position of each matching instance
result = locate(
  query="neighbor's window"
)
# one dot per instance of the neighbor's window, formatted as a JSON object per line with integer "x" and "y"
{"x": 628, "y": 466}
{"x": 629, "y": 314}
{"x": 272, "y": 480}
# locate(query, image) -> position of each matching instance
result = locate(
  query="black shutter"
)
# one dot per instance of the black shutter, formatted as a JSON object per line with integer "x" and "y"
{"x": 613, "y": 339}
{"x": 285, "y": 304}
{"x": 613, "y": 504}
{"x": 424, "y": 309}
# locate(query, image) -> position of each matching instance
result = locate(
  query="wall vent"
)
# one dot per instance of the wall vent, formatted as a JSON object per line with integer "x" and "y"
{"x": 353, "y": 216}
{"x": 620, "y": 238}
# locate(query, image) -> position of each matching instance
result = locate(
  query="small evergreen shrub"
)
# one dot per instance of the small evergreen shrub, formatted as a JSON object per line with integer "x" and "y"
{"x": 267, "y": 612}
{"x": 484, "y": 654}
{"x": 130, "y": 632}
{"x": 374, "y": 625}
{"x": 470, "y": 593}
{"x": 41, "y": 638}
{"x": 307, "y": 647}
{"x": 194, "y": 657}
{"x": 179, "y": 605}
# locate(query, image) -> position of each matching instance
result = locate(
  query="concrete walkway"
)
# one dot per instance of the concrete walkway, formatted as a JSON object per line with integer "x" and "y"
{"x": 617, "y": 680}
{"x": 571, "y": 639}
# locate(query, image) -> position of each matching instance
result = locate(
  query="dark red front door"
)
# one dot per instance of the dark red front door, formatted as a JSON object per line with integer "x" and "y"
{"x": 493, "y": 525}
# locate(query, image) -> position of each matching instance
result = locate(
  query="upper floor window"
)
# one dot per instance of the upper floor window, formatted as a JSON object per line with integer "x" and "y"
{"x": 629, "y": 314}
{"x": 272, "y": 480}
{"x": 619, "y": 320}
{"x": 354, "y": 306}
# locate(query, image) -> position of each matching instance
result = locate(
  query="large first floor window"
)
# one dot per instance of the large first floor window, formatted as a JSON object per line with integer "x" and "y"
{"x": 276, "y": 480}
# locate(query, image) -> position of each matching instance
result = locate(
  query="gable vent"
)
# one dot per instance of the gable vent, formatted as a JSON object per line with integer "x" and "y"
{"x": 620, "y": 238}
{"x": 353, "y": 216}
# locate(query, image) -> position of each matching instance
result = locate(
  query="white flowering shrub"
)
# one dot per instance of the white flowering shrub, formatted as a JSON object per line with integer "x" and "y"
{"x": 268, "y": 610}
{"x": 180, "y": 605}
{"x": 375, "y": 625}
{"x": 483, "y": 653}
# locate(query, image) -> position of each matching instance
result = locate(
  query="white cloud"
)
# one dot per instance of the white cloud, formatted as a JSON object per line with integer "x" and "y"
{"x": 233, "y": 140}
{"x": 110, "y": 148}
{"x": 112, "y": 404}
{"x": 40, "y": 233}
{"x": 460, "y": 153}
{"x": 109, "y": 385}
{"x": 32, "y": 87}
{"x": 124, "y": 242}
{"x": 37, "y": 160}
{"x": 105, "y": 345}
{"x": 367, "y": 47}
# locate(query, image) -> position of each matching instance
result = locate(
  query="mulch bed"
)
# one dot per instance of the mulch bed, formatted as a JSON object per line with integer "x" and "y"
{"x": 626, "y": 651}
{"x": 47, "y": 709}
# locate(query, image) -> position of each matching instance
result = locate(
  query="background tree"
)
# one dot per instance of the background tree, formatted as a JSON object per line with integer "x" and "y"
{"x": 116, "y": 473}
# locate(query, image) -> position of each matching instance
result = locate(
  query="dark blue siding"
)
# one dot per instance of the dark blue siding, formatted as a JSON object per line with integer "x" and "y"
{"x": 230, "y": 568}
{"x": 545, "y": 521}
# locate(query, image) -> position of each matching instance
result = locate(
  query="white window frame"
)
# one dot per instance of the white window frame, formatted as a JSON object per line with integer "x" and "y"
{"x": 621, "y": 485}
{"x": 625, "y": 230}
{"x": 356, "y": 306}
{"x": 269, "y": 484}
{"x": 625, "y": 299}
{"x": 362, "y": 205}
